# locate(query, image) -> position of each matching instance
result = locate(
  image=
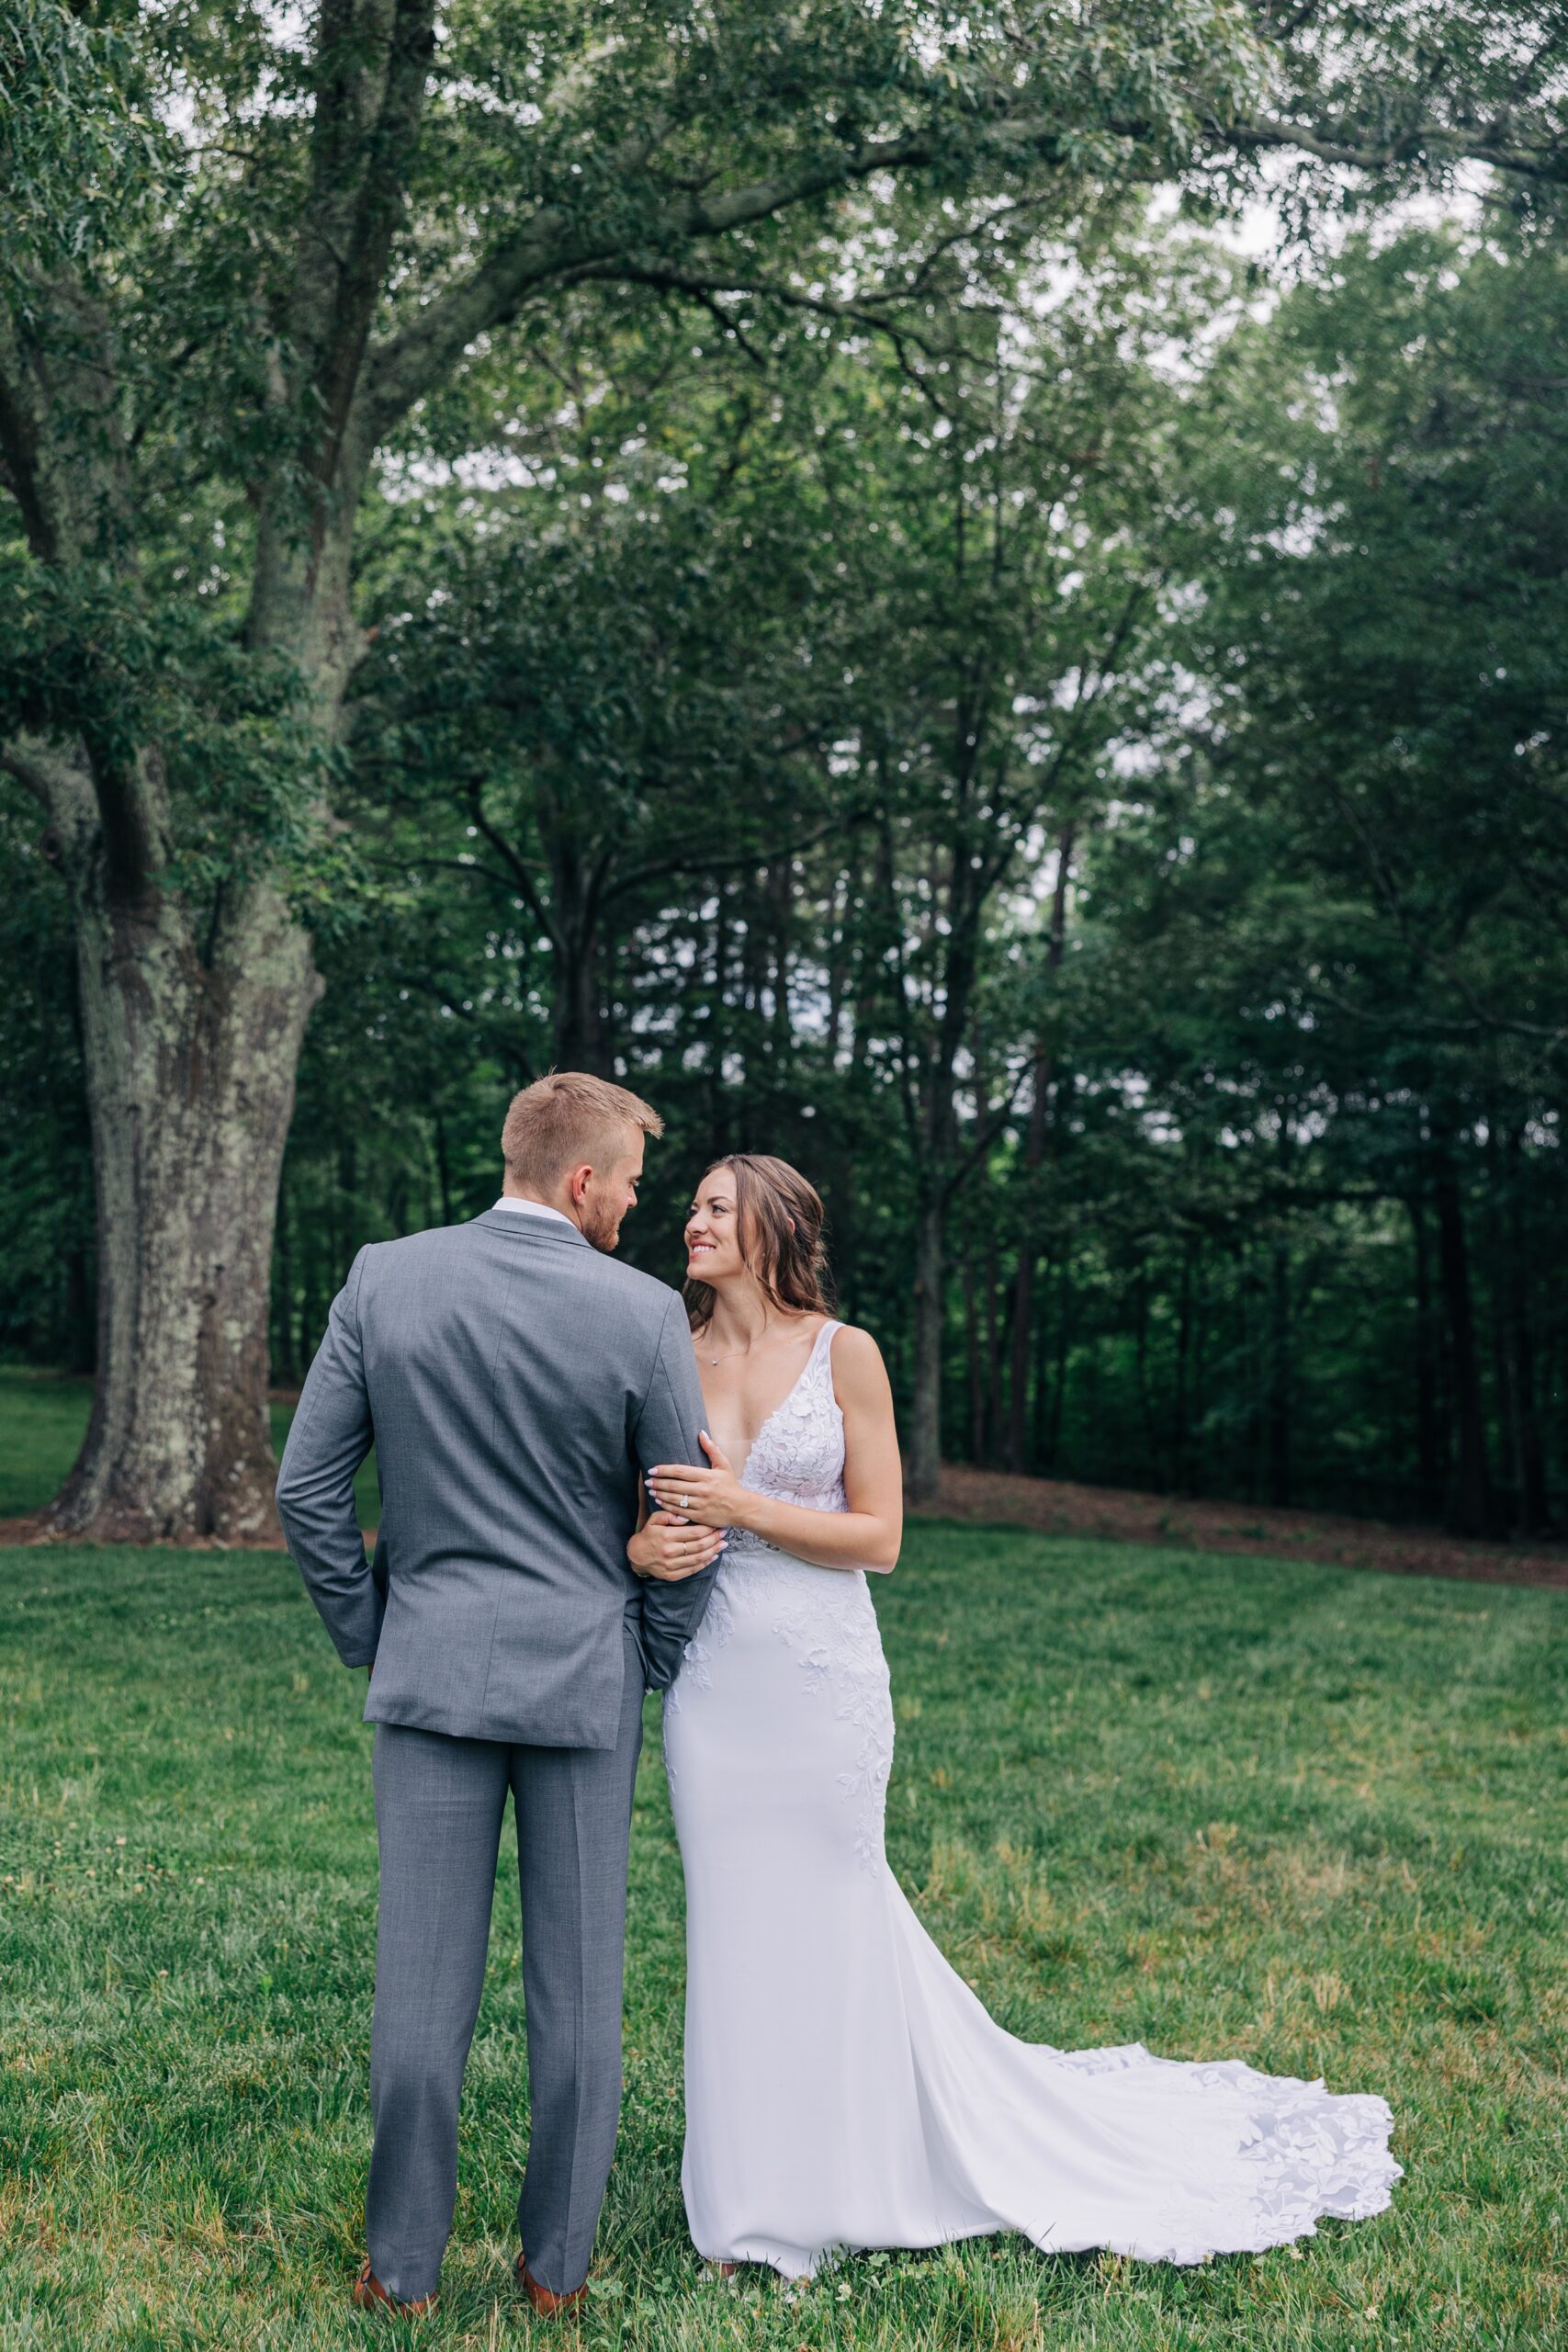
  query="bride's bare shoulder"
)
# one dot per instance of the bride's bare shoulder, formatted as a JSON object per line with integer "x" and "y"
{"x": 859, "y": 1374}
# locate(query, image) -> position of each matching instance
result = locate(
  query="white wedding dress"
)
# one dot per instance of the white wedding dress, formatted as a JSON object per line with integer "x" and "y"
{"x": 844, "y": 2086}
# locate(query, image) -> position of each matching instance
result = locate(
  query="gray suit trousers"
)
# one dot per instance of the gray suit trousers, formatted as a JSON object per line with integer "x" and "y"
{"x": 439, "y": 1802}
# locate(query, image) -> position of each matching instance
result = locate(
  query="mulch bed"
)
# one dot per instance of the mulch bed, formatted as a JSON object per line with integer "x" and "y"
{"x": 1057, "y": 1507}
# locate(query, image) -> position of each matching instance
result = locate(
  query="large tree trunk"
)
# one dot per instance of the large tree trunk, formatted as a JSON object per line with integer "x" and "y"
{"x": 925, "y": 1428}
{"x": 190, "y": 1066}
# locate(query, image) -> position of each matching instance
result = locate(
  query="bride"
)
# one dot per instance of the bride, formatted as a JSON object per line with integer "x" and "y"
{"x": 844, "y": 2086}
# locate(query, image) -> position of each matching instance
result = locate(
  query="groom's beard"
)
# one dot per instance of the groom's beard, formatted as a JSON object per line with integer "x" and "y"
{"x": 601, "y": 1226}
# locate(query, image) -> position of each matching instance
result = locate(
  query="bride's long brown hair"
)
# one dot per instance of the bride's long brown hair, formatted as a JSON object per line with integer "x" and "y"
{"x": 779, "y": 1218}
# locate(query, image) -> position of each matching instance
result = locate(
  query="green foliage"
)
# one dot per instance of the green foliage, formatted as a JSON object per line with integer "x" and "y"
{"x": 233, "y": 730}
{"x": 194, "y": 198}
{"x": 80, "y": 146}
{"x": 1333, "y": 896}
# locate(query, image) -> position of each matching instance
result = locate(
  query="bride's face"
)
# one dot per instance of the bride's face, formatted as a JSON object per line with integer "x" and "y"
{"x": 713, "y": 1231}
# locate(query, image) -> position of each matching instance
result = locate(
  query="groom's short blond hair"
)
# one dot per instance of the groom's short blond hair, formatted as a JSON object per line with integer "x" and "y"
{"x": 567, "y": 1120}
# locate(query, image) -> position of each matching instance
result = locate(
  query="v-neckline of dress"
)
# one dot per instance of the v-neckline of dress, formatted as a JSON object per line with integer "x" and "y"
{"x": 788, "y": 1397}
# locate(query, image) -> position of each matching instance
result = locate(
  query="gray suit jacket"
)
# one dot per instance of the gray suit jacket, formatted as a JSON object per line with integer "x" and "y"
{"x": 512, "y": 1380}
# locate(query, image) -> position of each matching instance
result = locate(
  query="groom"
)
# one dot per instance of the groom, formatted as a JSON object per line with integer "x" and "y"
{"x": 513, "y": 1379}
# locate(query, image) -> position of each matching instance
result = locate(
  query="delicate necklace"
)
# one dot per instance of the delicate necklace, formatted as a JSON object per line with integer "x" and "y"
{"x": 730, "y": 1352}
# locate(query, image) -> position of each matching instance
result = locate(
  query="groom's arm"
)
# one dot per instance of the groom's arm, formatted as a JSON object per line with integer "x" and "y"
{"x": 666, "y": 1429}
{"x": 331, "y": 1437}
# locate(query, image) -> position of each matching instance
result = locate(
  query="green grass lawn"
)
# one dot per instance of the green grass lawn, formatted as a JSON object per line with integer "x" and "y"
{"x": 1311, "y": 1817}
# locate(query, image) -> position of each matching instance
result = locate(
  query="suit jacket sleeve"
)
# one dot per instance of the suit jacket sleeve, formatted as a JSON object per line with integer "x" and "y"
{"x": 666, "y": 1429}
{"x": 331, "y": 1437}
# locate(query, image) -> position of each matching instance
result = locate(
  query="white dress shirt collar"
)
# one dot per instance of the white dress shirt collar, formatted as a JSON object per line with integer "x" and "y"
{"x": 533, "y": 1208}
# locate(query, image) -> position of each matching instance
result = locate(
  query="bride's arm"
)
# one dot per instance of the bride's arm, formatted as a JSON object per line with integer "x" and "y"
{"x": 868, "y": 1534}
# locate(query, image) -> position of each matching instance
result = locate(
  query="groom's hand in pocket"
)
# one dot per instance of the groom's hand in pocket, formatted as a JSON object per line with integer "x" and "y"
{"x": 669, "y": 1547}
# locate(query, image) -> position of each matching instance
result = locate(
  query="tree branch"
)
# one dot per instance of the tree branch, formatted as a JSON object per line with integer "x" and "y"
{"x": 703, "y": 287}
{"x": 696, "y": 863}
{"x": 472, "y": 868}
{"x": 50, "y": 780}
{"x": 67, "y": 790}
{"x": 986, "y": 1134}
{"x": 1427, "y": 140}
{"x": 62, "y": 491}
{"x": 553, "y": 245}
{"x": 372, "y": 61}
{"x": 527, "y": 888}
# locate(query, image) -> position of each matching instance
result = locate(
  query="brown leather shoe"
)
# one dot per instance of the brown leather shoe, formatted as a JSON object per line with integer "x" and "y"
{"x": 548, "y": 2304}
{"x": 370, "y": 2295}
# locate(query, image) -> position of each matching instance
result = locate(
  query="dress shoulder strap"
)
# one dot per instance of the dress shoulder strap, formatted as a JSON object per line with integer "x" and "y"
{"x": 821, "y": 1357}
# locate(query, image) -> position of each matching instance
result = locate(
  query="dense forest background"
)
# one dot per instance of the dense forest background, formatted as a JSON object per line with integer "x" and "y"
{"x": 1063, "y": 742}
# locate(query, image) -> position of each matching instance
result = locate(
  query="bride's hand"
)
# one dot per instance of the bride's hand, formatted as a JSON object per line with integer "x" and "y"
{"x": 669, "y": 1548}
{"x": 713, "y": 1497}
